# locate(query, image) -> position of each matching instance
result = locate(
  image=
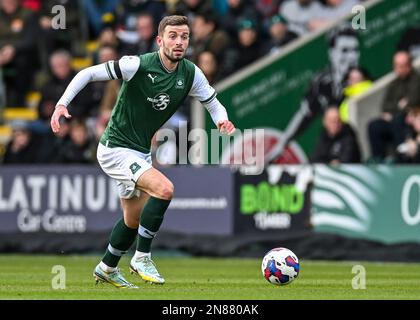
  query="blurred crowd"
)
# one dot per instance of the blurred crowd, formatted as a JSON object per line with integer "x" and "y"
{"x": 227, "y": 35}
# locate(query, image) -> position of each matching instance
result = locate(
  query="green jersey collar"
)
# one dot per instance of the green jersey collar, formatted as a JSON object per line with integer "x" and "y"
{"x": 163, "y": 65}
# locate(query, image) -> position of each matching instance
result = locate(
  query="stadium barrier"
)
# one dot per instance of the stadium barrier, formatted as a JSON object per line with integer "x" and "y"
{"x": 80, "y": 199}
{"x": 216, "y": 210}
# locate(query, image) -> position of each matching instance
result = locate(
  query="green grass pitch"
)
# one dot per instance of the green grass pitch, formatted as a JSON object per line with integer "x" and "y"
{"x": 31, "y": 277}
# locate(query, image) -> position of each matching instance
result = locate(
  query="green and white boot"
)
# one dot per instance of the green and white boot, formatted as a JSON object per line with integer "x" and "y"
{"x": 115, "y": 278}
{"x": 146, "y": 269}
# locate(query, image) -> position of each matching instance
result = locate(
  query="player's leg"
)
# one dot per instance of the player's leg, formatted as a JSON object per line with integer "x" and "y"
{"x": 122, "y": 237}
{"x": 160, "y": 189}
{"x": 119, "y": 164}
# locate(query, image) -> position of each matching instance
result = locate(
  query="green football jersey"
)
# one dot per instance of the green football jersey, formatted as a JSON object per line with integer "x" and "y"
{"x": 146, "y": 102}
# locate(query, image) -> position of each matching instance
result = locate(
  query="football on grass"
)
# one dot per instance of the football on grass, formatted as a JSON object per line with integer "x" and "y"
{"x": 280, "y": 266}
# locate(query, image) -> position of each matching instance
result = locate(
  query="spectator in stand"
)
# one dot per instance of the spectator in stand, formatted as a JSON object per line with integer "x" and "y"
{"x": 100, "y": 14}
{"x": 190, "y": 8}
{"x": 332, "y": 11}
{"x": 237, "y": 11}
{"x": 337, "y": 142}
{"x": 23, "y": 146}
{"x": 55, "y": 39}
{"x": 207, "y": 62}
{"x": 51, "y": 144}
{"x": 34, "y": 5}
{"x": 109, "y": 93}
{"x": 409, "y": 150}
{"x": 18, "y": 50}
{"x": 61, "y": 75}
{"x": 78, "y": 148}
{"x": 401, "y": 94}
{"x": 61, "y": 72}
{"x": 299, "y": 13}
{"x": 248, "y": 41}
{"x": 358, "y": 81}
{"x": 128, "y": 10}
{"x": 220, "y": 7}
{"x": 145, "y": 40}
{"x": 107, "y": 38}
{"x": 206, "y": 36}
{"x": 280, "y": 35}
{"x": 103, "y": 94}
{"x": 267, "y": 8}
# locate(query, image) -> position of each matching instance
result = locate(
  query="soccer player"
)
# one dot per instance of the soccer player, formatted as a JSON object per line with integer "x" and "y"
{"x": 154, "y": 86}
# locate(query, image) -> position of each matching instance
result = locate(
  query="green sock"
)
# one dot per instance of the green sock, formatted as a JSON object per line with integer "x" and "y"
{"x": 121, "y": 239}
{"x": 151, "y": 218}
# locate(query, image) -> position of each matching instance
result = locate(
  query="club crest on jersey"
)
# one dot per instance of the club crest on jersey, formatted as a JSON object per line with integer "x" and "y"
{"x": 160, "y": 102}
{"x": 179, "y": 83}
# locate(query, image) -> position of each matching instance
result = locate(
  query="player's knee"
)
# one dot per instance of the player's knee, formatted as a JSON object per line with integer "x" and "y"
{"x": 132, "y": 222}
{"x": 166, "y": 191}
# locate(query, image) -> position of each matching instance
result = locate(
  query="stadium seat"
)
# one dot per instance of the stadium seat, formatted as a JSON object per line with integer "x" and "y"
{"x": 92, "y": 46}
{"x": 5, "y": 134}
{"x": 28, "y": 114}
{"x": 81, "y": 63}
{"x": 33, "y": 98}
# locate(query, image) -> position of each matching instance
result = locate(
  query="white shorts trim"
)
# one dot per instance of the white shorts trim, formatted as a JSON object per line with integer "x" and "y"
{"x": 124, "y": 165}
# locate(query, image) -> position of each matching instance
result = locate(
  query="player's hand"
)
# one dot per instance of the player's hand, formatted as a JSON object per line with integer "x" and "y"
{"x": 226, "y": 127}
{"x": 60, "y": 111}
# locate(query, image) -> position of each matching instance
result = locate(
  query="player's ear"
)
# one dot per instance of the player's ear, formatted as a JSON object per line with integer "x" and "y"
{"x": 159, "y": 40}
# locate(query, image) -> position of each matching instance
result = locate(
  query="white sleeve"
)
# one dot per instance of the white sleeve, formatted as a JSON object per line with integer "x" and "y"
{"x": 124, "y": 69}
{"x": 205, "y": 93}
{"x": 128, "y": 65}
{"x": 201, "y": 89}
{"x": 217, "y": 111}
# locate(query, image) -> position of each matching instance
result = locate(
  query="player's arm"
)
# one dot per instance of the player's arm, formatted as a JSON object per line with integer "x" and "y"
{"x": 125, "y": 69}
{"x": 203, "y": 92}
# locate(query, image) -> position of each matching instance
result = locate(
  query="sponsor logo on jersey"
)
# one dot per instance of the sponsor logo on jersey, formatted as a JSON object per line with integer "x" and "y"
{"x": 160, "y": 102}
{"x": 152, "y": 78}
{"x": 135, "y": 167}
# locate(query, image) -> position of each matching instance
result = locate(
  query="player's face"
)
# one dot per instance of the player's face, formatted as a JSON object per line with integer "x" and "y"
{"x": 174, "y": 42}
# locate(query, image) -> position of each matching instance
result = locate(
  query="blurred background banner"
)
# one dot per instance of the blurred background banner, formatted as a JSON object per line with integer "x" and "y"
{"x": 56, "y": 199}
{"x": 380, "y": 203}
{"x": 277, "y": 200}
{"x": 78, "y": 205}
{"x": 203, "y": 201}
{"x": 73, "y": 208}
{"x": 268, "y": 93}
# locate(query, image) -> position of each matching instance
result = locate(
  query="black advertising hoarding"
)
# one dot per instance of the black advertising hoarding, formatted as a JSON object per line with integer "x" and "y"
{"x": 75, "y": 207}
{"x": 203, "y": 200}
{"x": 276, "y": 200}
{"x": 61, "y": 200}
